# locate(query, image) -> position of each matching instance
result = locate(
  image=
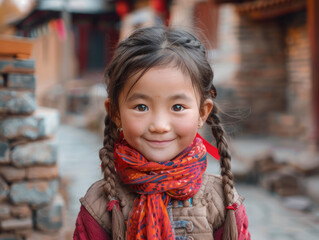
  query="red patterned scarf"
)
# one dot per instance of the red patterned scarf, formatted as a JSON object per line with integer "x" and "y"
{"x": 156, "y": 183}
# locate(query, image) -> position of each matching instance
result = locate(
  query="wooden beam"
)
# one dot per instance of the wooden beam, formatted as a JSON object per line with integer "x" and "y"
{"x": 263, "y": 14}
{"x": 313, "y": 28}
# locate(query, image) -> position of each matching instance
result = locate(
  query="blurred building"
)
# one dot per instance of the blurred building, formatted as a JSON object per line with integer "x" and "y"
{"x": 264, "y": 52}
{"x": 271, "y": 48}
{"x": 72, "y": 38}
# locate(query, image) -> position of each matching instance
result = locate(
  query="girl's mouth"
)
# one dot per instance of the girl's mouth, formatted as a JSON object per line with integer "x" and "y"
{"x": 159, "y": 142}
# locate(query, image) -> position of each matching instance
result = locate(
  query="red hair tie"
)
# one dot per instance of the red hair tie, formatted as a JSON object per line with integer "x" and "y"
{"x": 113, "y": 203}
{"x": 233, "y": 206}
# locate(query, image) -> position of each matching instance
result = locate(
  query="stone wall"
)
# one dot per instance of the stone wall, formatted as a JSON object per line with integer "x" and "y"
{"x": 29, "y": 199}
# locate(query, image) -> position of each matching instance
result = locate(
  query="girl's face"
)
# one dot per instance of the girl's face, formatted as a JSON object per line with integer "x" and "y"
{"x": 160, "y": 114}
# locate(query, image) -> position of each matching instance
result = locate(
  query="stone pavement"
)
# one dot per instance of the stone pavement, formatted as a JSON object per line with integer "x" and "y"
{"x": 268, "y": 217}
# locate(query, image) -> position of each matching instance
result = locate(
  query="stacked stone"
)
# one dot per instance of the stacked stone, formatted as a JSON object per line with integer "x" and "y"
{"x": 29, "y": 199}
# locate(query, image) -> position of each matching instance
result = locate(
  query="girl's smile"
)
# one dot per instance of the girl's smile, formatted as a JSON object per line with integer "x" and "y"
{"x": 159, "y": 143}
{"x": 160, "y": 113}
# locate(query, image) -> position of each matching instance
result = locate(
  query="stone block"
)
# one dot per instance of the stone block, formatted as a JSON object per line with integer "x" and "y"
{"x": 20, "y": 211}
{"x": 42, "y": 172}
{"x": 43, "y": 123}
{"x": 17, "y": 66}
{"x": 4, "y": 152}
{"x": 9, "y": 236}
{"x": 16, "y": 224}
{"x": 300, "y": 203}
{"x": 35, "y": 153}
{"x": 311, "y": 187}
{"x": 34, "y": 193}
{"x": 23, "y": 81}
{"x": 12, "y": 174}
{"x": 50, "y": 217}
{"x": 4, "y": 211}
{"x": 50, "y": 120}
{"x": 4, "y": 189}
{"x": 39, "y": 235}
{"x": 7, "y": 210}
{"x": 1, "y": 81}
{"x": 14, "y": 102}
{"x": 24, "y": 233}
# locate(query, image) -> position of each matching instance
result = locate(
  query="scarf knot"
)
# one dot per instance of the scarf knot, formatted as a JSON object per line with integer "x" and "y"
{"x": 157, "y": 182}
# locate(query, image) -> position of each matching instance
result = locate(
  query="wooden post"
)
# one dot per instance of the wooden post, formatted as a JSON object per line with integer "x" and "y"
{"x": 313, "y": 28}
{"x": 65, "y": 60}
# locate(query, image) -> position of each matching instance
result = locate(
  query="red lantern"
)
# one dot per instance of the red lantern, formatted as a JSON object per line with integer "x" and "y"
{"x": 122, "y": 8}
{"x": 159, "y": 5}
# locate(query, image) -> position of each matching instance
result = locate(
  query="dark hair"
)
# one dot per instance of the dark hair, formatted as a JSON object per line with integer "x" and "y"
{"x": 152, "y": 47}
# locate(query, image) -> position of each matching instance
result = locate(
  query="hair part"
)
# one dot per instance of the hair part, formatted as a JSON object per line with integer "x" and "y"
{"x": 153, "y": 47}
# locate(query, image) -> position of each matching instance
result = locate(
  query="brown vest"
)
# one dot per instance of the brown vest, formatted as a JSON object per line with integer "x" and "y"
{"x": 198, "y": 221}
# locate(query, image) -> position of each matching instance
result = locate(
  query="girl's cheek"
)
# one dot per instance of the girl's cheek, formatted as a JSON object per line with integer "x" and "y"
{"x": 187, "y": 126}
{"x": 133, "y": 124}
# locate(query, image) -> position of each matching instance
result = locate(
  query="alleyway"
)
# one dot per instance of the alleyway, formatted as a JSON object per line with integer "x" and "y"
{"x": 268, "y": 217}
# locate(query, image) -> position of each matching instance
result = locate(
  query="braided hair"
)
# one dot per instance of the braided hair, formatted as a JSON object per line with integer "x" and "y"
{"x": 154, "y": 47}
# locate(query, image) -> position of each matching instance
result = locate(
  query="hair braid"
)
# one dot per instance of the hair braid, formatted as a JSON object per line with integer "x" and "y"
{"x": 108, "y": 169}
{"x": 230, "y": 227}
{"x": 190, "y": 42}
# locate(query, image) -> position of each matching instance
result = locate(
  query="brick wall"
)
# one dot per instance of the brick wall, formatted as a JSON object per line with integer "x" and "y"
{"x": 296, "y": 120}
{"x": 264, "y": 66}
{"x": 299, "y": 72}
{"x": 261, "y": 79}
{"x": 29, "y": 199}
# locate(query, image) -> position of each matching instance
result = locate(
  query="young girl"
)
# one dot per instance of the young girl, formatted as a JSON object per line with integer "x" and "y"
{"x": 160, "y": 88}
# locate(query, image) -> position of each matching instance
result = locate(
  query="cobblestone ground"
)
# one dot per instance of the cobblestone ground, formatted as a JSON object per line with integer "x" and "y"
{"x": 268, "y": 217}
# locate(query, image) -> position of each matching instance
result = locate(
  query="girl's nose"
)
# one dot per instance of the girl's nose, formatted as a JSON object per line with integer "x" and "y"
{"x": 160, "y": 124}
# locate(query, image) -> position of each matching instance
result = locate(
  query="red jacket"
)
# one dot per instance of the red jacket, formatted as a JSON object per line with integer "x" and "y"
{"x": 88, "y": 229}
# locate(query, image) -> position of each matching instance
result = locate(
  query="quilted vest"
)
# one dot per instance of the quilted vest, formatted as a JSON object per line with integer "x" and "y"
{"x": 193, "y": 219}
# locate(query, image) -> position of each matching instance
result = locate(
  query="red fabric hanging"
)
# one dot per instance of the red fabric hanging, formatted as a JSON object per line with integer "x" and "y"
{"x": 210, "y": 148}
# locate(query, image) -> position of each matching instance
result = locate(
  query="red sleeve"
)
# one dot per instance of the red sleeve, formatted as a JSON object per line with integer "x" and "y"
{"x": 242, "y": 225}
{"x": 87, "y": 228}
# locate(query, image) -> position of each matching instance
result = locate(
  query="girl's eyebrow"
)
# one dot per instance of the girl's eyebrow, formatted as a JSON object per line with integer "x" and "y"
{"x": 135, "y": 96}
{"x": 182, "y": 96}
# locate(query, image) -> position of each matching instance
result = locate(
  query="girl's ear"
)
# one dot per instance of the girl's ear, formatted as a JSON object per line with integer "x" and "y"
{"x": 205, "y": 111}
{"x": 116, "y": 119}
{"x": 107, "y": 105}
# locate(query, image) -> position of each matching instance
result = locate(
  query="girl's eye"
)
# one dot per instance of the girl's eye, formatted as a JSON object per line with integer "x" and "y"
{"x": 177, "y": 108}
{"x": 141, "y": 108}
